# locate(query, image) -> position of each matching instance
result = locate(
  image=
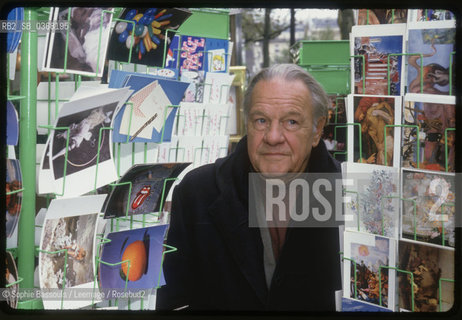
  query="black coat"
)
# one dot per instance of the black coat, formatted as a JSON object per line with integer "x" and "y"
{"x": 219, "y": 262}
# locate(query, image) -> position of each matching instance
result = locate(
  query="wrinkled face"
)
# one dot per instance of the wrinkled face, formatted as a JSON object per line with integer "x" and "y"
{"x": 280, "y": 127}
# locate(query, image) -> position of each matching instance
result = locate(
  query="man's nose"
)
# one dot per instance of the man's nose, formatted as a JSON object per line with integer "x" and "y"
{"x": 275, "y": 133}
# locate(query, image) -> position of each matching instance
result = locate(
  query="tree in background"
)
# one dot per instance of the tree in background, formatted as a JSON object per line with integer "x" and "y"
{"x": 292, "y": 27}
{"x": 345, "y": 21}
{"x": 258, "y": 25}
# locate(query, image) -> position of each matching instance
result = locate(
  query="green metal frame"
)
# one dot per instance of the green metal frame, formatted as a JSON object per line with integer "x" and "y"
{"x": 450, "y": 204}
{"x": 130, "y": 186}
{"x": 402, "y": 126}
{"x": 165, "y": 46}
{"x": 27, "y": 152}
{"x": 64, "y": 268}
{"x": 98, "y": 153}
{"x": 382, "y": 209}
{"x": 335, "y": 135}
{"x": 354, "y": 270}
{"x": 399, "y": 270}
{"x": 27, "y": 250}
{"x": 345, "y": 125}
{"x": 414, "y": 204}
{"x": 65, "y": 155}
{"x": 402, "y": 199}
{"x": 405, "y": 54}
{"x": 451, "y": 58}
{"x": 439, "y": 291}
{"x": 363, "y": 69}
{"x": 336, "y": 114}
{"x": 357, "y": 199}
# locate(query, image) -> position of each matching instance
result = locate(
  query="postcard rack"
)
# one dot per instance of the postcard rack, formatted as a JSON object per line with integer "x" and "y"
{"x": 212, "y": 23}
{"x": 415, "y": 231}
{"x": 417, "y": 142}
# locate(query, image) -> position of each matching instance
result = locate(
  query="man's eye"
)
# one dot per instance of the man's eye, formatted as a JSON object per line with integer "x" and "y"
{"x": 260, "y": 121}
{"x": 291, "y": 124}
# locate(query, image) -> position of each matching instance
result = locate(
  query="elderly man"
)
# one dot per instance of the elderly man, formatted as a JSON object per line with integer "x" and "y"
{"x": 223, "y": 263}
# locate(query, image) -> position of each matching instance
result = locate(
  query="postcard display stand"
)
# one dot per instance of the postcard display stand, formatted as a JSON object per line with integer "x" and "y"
{"x": 49, "y": 109}
{"x": 398, "y": 247}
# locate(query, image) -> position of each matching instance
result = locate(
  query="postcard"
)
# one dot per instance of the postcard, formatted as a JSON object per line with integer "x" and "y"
{"x": 148, "y": 103}
{"x": 214, "y": 147}
{"x": 192, "y": 52}
{"x": 151, "y": 110}
{"x": 376, "y": 141}
{"x": 80, "y": 155}
{"x": 434, "y": 117}
{"x": 12, "y": 124}
{"x": 67, "y": 248}
{"x": 190, "y": 149}
{"x": 165, "y": 73}
{"x": 144, "y": 186}
{"x": 147, "y": 36}
{"x": 49, "y": 111}
{"x": 428, "y": 214}
{"x": 199, "y": 54}
{"x": 11, "y": 281}
{"x": 45, "y": 179}
{"x": 77, "y": 51}
{"x": 381, "y": 16}
{"x": 173, "y": 53}
{"x": 39, "y": 220}
{"x": 378, "y": 44}
{"x": 370, "y": 253}
{"x": 432, "y": 269}
{"x": 12, "y": 65}
{"x": 88, "y": 89}
{"x": 136, "y": 256}
{"x": 13, "y": 37}
{"x": 168, "y": 151}
{"x": 190, "y": 118}
{"x": 50, "y": 100}
{"x": 374, "y": 204}
{"x": 415, "y": 15}
{"x": 217, "y": 87}
{"x": 216, "y": 55}
{"x": 352, "y": 305}
{"x": 232, "y": 128}
{"x": 13, "y": 195}
{"x": 119, "y": 78}
{"x": 49, "y": 104}
{"x": 195, "y": 90}
{"x": 433, "y": 42}
{"x": 215, "y": 119}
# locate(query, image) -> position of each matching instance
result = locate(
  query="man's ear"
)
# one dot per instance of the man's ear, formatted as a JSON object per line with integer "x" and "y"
{"x": 319, "y": 128}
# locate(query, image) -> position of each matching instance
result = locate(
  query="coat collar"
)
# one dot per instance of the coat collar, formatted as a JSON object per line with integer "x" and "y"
{"x": 231, "y": 218}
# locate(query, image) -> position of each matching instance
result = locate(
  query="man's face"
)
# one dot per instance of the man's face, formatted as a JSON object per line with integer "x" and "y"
{"x": 280, "y": 127}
